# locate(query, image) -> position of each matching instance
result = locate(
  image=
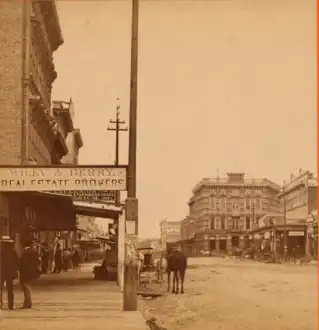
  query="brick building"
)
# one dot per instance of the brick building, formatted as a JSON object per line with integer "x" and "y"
{"x": 225, "y": 210}
{"x": 30, "y": 34}
{"x": 32, "y": 133}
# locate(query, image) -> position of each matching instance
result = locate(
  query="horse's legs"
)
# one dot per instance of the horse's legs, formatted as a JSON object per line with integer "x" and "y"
{"x": 182, "y": 273}
{"x": 174, "y": 281}
{"x": 177, "y": 282}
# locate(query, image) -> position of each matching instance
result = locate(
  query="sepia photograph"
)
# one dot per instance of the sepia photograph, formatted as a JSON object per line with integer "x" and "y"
{"x": 158, "y": 164}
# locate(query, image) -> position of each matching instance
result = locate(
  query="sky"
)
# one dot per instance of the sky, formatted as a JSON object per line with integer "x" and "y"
{"x": 223, "y": 86}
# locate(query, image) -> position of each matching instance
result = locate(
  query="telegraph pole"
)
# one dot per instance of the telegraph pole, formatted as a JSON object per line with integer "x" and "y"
{"x": 117, "y": 130}
{"x": 285, "y": 223}
{"x": 131, "y": 203}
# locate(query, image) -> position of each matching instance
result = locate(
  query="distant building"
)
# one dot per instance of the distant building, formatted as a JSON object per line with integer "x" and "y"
{"x": 225, "y": 210}
{"x": 298, "y": 203}
{"x": 299, "y": 197}
{"x": 170, "y": 232}
{"x": 187, "y": 228}
{"x": 295, "y": 218}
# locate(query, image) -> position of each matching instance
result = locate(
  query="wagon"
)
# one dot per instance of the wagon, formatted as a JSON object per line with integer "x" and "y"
{"x": 148, "y": 264}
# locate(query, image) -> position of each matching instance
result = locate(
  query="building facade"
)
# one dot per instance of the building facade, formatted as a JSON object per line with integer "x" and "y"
{"x": 299, "y": 197}
{"x": 64, "y": 114}
{"x": 187, "y": 228}
{"x": 32, "y": 133}
{"x": 299, "y": 200}
{"x": 170, "y": 233}
{"x": 225, "y": 210}
{"x": 30, "y": 34}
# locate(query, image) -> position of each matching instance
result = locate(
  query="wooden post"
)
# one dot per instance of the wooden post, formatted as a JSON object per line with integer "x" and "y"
{"x": 130, "y": 262}
{"x": 131, "y": 212}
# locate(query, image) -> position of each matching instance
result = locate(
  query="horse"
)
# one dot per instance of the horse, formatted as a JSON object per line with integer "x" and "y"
{"x": 176, "y": 263}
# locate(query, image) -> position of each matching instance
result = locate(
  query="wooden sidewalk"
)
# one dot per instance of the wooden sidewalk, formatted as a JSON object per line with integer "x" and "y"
{"x": 72, "y": 301}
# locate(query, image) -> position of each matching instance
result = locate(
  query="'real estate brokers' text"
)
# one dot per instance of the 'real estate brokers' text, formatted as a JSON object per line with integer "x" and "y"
{"x": 52, "y": 179}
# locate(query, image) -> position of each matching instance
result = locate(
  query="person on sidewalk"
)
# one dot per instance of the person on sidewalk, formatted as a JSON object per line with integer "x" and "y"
{"x": 29, "y": 271}
{"x": 75, "y": 257}
{"x": 9, "y": 263}
{"x": 58, "y": 264}
{"x": 44, "y": 258}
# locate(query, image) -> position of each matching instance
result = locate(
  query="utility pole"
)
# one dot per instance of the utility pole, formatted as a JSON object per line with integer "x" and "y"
{"x": 131, "y": 203}
{"x": 285, "y": 223}
{"x": 117, "y": 130}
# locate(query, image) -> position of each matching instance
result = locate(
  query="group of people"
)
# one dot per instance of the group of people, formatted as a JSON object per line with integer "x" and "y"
{"x": 30, "y": 265}
{"x": 62, "y": 259}
{"x": 26, "y": 267}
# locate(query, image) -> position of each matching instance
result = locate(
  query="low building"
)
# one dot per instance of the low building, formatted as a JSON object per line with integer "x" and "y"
{"x": 225, "y": 210}
{"x": 187, "y": 229}
{"x": 170, "y": 233}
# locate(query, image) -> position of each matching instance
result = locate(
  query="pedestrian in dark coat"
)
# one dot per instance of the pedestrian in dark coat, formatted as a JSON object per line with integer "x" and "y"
{"x": 44, "y": 258}
{"x": 9, "y": 263}
{"x": 58, "y": 263}
{"x": 29, "y": 271}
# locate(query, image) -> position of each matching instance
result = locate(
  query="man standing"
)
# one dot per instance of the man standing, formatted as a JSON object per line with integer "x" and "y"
{"x": 8, "y": 268}
{"x": 44, "y": 257}
{"x": 29, "y": 270}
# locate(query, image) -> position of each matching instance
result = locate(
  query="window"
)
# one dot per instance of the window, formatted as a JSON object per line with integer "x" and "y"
{"x": 223, "y": 222}
{"x": 235, "y": 204}
{"x": 247, "y": 202}
{"x": 258, "y": 203}
{"x": 212, "y": 201}
{"x": 236, "y": 223}
{"x": 257, "y": 219}
{"x": 212, "y": 223}
{"x": 247, "y": 222}
{"x": 222, "y": 203}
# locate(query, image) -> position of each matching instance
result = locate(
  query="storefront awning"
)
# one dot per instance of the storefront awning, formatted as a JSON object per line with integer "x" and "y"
{"x": 97, "y": 210}
{"x": 47, "y": 212}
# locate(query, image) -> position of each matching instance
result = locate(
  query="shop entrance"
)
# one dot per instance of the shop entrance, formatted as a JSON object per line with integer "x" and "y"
{"x": 235, "y": 241}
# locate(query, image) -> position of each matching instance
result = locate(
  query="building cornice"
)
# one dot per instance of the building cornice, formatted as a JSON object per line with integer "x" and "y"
{"x": 225, "y": 183}
{"x": 53, "y": 27}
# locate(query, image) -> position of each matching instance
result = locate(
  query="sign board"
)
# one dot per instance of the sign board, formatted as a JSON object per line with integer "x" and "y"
{"x": 296, "y": 233}
{"x": 88, "y": 195}
{"x": 53, "y": 178}
{"x": 131, "y": 209}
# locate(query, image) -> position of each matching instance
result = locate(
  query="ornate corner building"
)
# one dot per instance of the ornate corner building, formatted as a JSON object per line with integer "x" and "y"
{"x": 223, "y": 211}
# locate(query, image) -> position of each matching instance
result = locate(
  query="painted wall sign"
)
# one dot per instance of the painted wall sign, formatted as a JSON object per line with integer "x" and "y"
{"x": 88, "y": 195}
{"x": 62, "y": 178}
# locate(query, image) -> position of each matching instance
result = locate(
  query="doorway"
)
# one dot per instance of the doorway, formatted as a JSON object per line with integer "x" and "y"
{"x": 235, "y": 241}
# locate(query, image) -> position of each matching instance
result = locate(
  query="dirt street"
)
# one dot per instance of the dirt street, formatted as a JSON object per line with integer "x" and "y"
{"x": 240, "y": 295}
